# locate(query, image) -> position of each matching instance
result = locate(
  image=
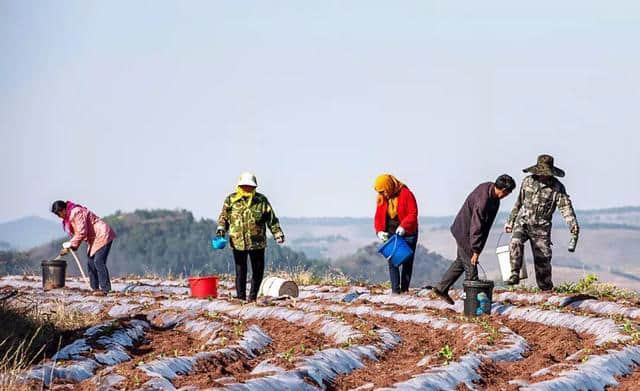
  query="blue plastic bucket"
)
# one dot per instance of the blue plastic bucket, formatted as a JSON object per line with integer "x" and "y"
{"x": 218, "y": 243}
{"x": 395, "y": 250}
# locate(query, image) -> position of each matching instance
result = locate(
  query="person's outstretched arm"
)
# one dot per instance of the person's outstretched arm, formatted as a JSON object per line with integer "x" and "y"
{"x": 566, "y": 210}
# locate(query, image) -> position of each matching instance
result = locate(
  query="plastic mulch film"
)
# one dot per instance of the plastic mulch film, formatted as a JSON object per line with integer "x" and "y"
{"x": 447, "y": 377}
{"x": 122, "y": 310}
{"x": 339, "y": 331}
{"x": 76, "y": 371}
{"x": 73, "y": 351}
{"x": 83, "y": 367}
{"x": 87, "y": 307}
{"x": 422, "y": 318}
{"x": 605, "y": 330}
{"x": 139, "y": 288}
{"x": 322, "y": 367}
{"x": 157, "y": 384}
{"x": 204, "y": 329}
{"x": 253, "y": 341}
{"x": 166, "y": 319}
{"x": 595, "y": 374}
{"x": 602, "y": 307}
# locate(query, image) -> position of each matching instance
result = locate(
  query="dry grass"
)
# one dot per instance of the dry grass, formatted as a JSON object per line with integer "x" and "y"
{"x": 30, "y": 334}
{"x": 15, "y": 360}
{"x": 306, "y": 277}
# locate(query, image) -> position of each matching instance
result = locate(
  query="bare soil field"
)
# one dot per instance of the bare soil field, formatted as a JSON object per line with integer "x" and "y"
{"x": 151, "y": 335}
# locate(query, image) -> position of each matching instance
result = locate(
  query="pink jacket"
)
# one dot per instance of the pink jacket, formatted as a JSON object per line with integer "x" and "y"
{"x": 85, "y": 225}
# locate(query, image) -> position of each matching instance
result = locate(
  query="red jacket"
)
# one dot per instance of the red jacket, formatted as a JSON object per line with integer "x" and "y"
{"x": 407, "y": 213}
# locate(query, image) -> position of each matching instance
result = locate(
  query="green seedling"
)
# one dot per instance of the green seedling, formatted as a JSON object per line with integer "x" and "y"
{"x": 288, "y": 355}
{"x": 447, "y": 353}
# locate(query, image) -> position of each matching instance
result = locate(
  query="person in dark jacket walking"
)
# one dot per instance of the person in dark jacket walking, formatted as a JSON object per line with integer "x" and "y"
{"x": 471, "y": 230}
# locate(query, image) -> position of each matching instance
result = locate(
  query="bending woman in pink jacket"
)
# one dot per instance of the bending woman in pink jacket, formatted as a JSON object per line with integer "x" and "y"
{"x": 83, "y": 225}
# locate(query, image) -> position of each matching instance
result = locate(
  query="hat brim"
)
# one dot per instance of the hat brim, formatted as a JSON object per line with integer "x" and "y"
{"x": 551, "y": 171}
{"x": 246, "y": 183}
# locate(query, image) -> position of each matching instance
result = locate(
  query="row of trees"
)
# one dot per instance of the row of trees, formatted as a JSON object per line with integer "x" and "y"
{"x": 162, "y": 242}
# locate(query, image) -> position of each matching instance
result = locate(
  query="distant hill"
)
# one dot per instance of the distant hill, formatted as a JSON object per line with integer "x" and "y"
{"x": 28, "y": 232}
{"x": 165, "y": 242}
{"x": 627, "y": 217}
{"x": 367, "y": 265}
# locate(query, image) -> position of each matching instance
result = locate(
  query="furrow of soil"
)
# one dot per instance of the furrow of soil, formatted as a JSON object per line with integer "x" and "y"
{"x": 157, "y": 344}
{"x": 400, "y": 363}
{"x": 548, "y": 346}
{"x": 628, "y": 383}
{"x": 289, "y": 342}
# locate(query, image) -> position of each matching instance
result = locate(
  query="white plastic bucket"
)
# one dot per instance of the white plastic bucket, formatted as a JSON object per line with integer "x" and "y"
{"x": 504, "y": 261}
{"x": 276, "y": 287}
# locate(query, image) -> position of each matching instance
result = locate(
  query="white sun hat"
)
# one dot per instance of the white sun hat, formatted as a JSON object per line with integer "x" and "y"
{"x": 247, "y": 179}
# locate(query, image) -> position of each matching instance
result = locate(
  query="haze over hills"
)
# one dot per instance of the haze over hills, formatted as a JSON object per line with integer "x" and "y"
{"x": 27, "y": 232}
{"x": 164, "y": 241}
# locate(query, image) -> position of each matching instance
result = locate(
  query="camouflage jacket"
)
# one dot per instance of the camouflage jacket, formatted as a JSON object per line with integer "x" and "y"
{"x": 536, "y": 203}
{"x": 246, "y": 224}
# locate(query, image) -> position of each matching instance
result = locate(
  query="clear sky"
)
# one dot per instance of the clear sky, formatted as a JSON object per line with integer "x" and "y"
{"x": 157, "y": 104}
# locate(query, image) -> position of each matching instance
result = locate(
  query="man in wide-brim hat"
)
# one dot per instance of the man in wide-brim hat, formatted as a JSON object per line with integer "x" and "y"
{"x": 540, "y": 194}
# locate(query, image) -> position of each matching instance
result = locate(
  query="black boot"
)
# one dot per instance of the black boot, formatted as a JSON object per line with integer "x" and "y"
{"x": 513, "y": 280}
{"x": 443, "y": 295}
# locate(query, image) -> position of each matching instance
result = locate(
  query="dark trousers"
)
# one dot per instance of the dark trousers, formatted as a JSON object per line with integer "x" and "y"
{"x": 257, "y": 272}
{"x": 460, "y": 265}
{"x": 400, "y": 280}
{"x": 541, "y": 248}
{"x": 97, "y": 267}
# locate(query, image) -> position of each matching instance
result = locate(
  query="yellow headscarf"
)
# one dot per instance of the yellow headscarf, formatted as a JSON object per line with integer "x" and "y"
{"x": 240, "y": 193}
{"x": 388, "y": 188}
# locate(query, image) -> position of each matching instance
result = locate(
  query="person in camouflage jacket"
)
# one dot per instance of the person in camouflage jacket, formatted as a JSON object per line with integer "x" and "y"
{"x": 245, "y": 215}
{"x": 530, "y": 219}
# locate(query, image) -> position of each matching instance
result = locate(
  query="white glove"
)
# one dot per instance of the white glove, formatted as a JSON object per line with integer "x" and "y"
{"x": 400, "y": 231}
{"x": 66, "y": 245}
{"x": 383, "y": 236}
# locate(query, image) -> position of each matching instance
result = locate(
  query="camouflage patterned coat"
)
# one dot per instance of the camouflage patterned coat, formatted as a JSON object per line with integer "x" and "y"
{"x": 246, "y": 224}
{"x": 536, "y": 204}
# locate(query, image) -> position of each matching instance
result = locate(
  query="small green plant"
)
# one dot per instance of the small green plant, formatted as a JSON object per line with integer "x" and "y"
{"x": 632, "y": 330}
{"x": 492, "y": 331}
{"x": 347, "y": 344}
{"x": 447, "y": 353}
{"x": 589, "y": 285}
{"x": 288, "y": 355}
{"x": 238, "y": 328}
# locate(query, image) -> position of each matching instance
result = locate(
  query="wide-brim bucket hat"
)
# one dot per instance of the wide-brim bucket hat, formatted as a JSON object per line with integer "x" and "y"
{"x": 247, "y": 179}
{"x": 545, "y": 167}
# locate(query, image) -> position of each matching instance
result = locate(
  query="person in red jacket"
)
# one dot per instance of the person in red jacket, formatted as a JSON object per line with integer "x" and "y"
{"x": 397, "y": 213}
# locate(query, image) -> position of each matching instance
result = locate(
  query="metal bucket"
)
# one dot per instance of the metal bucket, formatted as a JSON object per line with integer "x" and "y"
{"x": 276, "y": 287}
{"x": 504, "y": 261}
{"x": 53, "y": 273}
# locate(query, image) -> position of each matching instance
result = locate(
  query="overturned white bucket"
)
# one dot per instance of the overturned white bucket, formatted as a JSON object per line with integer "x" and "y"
{"x": 504, "y": 260}
{"x": 276, "y": 287}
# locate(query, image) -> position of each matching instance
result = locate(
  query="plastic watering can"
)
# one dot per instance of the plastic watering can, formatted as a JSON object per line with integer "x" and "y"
{"x": 218, "y": 243}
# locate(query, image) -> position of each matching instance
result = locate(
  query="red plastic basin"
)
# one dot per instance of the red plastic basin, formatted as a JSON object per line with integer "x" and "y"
{"x": 204, "y": 286}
